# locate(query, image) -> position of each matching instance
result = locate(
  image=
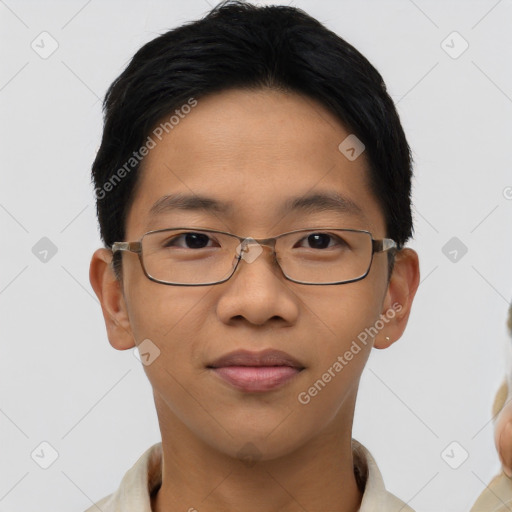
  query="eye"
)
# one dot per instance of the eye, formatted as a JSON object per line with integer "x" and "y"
{"x": 191, "y": 239}
{"x": 321, "y": 240}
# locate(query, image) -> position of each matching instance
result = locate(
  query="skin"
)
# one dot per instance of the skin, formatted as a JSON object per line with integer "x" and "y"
{"x": 503, "y": 425}
{"x": 503, "y": 436}
{"x": 254, "y": 148}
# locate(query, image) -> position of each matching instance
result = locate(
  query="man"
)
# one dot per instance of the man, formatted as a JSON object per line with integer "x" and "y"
{"x": 253, "y": 192}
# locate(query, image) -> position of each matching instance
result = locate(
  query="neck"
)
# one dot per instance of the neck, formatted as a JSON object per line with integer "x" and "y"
{"x": 319, "y": 475}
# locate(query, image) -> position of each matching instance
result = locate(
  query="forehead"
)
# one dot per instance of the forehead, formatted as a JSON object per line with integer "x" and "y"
{"x": 253, "y": 154}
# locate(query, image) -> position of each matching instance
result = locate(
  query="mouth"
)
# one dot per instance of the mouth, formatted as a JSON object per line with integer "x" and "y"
{"x": 256, "y": 371}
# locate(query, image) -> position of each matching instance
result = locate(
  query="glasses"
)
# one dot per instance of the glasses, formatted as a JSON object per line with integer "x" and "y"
{"x": 200, "y": 257}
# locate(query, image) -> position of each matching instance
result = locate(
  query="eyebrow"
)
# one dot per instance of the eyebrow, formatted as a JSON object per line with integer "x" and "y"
{"x": 317, "y": 202}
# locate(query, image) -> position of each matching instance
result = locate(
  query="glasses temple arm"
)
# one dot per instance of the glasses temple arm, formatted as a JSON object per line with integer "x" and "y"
{"x": 127, "y": 246}
{"x": 385, "y": 244}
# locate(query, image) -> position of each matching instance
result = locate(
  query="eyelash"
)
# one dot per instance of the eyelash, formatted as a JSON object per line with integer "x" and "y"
{"x": 171, "y": 241}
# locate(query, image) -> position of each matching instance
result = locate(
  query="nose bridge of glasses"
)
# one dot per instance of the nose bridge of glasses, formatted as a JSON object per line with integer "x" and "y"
{"x": 251, "y": 248}
{"x": 264, "y": 242}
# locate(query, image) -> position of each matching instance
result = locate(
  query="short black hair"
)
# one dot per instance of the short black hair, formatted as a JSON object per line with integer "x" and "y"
{"x": 240, "y": 45}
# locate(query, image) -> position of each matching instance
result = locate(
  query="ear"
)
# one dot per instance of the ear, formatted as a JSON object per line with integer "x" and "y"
{"x": 110, "y": 294}
{"x": 397, "y": 303}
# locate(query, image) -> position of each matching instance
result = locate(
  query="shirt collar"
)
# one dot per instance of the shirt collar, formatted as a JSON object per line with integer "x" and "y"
{"x": 145, "y": 477}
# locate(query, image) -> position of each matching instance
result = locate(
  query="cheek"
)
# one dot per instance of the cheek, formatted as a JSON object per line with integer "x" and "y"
{"x": 344, "y": 320}
{"x": 343, "y": 312}
{"x": 346, "y": 332}
{"x": 345, "y": 323}
{"x": 170, "y": 323}
{"x": 163, "y": 313}
{"x": 173, "y": 319}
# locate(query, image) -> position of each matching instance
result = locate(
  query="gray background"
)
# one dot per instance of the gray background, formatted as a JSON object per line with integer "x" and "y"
{"x": 63, "y": 384}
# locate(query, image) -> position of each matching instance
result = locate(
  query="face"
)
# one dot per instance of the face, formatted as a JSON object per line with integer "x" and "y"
{"x": 254, "y": 151}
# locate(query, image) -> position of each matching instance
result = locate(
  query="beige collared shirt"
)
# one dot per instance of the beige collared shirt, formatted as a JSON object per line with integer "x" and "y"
{"x": 496, "y": 497}
{"x": 145, "y": 477}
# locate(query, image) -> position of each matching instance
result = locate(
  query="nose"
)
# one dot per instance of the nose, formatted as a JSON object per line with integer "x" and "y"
{"x": 258, "y": 291}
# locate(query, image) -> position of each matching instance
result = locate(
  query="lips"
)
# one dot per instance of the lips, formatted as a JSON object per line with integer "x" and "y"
{"x": 256, "y": 371}
{"x": 265, "y": 358}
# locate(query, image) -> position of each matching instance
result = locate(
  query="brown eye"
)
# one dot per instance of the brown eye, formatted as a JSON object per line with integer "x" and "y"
{"x": 323, "y": 240}
{"x": 192, "y": 240}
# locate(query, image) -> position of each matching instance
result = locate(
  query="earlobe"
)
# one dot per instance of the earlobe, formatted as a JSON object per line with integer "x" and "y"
{"x": 109, "y": 292}
{"x": 402, "y": 288}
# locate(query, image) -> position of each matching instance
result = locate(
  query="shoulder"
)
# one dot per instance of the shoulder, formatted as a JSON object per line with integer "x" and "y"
{"x": 375, "y": 494}
{"x": 136, "y": 486}
{"x": 496, "y": 497}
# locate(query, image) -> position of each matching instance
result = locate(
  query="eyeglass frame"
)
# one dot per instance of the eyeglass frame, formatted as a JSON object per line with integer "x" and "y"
{"x": 379, "y": 245}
